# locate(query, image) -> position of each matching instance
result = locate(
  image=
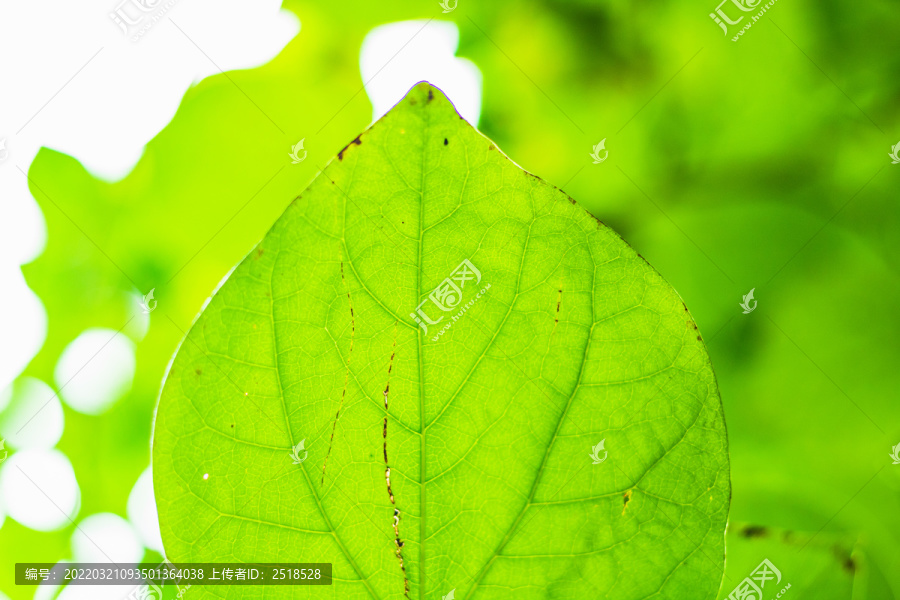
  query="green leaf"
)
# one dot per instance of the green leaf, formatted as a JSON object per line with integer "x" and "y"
{"x": 490, "y": 422}
{"x": 820, "y": 566}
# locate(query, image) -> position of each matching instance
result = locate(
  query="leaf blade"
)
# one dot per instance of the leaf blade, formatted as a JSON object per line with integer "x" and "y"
{"x": 571, "y": 338}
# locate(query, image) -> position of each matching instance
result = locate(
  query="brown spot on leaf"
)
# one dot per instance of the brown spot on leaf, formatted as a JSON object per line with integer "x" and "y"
{"x": 199, "y": 371}
{"x": 591, "y": 215}
{"x": 626, "y": 498}
{"x": 754, "y": 531}
{"x": 558, "y": 303}
{"x": 356, "y": 141}
{"x": 849, "y": 564}
{"x": 430, "y": 95}
{"x": 445, "y": 141}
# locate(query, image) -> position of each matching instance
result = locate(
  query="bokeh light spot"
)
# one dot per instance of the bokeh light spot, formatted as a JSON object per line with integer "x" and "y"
{"x": 95, "y": 370}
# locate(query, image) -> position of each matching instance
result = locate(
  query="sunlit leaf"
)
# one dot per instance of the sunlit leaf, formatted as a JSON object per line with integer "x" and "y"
{"x": 556, "y": 337}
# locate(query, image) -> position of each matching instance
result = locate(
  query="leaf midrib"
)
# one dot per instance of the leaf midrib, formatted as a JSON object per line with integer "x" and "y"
{"x": 422, "y": 475}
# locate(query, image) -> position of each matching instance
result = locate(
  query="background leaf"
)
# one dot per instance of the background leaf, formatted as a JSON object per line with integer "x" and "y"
{"x": 828, "y": 567}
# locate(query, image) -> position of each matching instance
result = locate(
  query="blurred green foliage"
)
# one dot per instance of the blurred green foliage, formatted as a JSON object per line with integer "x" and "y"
{"x": 757, "y": 164}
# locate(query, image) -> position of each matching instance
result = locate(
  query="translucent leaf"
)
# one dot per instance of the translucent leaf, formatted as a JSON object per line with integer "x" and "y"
{"x": 453, "y": 338}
